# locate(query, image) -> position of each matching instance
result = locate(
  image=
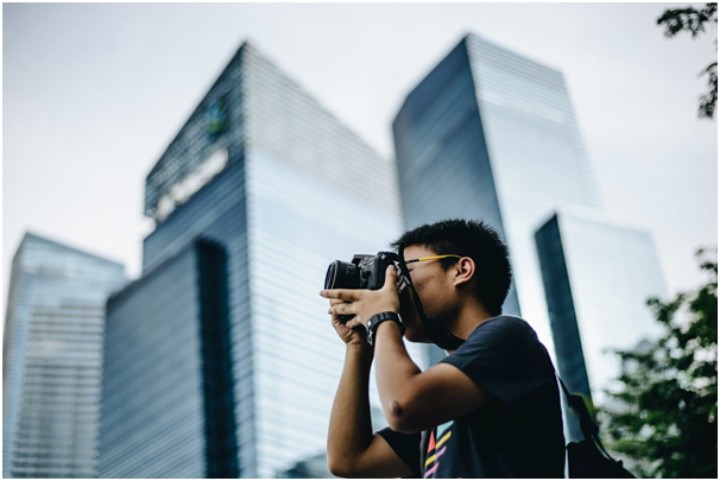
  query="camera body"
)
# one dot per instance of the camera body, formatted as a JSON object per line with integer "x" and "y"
{"x": 363, "y": 272}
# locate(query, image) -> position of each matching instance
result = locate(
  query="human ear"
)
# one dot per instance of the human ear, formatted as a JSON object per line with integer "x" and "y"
{"x": 464, "y": 270}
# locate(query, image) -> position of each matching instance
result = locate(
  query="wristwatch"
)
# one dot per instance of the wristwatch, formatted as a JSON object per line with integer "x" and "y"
{"x": 378, "y": 319}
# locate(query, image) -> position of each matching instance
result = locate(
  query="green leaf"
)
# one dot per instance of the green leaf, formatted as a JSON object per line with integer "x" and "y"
{"x": 664, "y": 417}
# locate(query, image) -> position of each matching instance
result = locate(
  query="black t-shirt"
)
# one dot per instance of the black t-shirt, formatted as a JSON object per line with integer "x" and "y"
{"x": 518, "y": 434}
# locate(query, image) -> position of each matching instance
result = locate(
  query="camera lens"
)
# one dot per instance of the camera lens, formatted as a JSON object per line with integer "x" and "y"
{"x": 342, "y": 275}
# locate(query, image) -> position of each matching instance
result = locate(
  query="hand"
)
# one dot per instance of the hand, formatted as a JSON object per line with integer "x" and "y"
{"x": 363, "y": 303}
{"x": 350, "y": 336}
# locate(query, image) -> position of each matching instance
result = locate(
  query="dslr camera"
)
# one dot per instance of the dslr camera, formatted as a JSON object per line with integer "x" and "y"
{"x": 363, "y": 272}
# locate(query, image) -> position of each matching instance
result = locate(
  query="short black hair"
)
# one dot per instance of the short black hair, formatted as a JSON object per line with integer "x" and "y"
{"x": 473, "y": 239}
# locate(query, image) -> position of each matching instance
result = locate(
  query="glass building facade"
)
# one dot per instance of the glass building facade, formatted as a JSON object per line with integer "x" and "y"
{"x": 176, "y": 372}
{"x": 598, "y": 274}
{"x": 263, "y": 172}
{"x": 52, "y": 359}
{"x": 491, "y": 135}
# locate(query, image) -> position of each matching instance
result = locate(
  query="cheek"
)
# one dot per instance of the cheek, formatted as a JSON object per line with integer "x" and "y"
{"x": 419, "y": 285}
{"x": 423, "y": 290}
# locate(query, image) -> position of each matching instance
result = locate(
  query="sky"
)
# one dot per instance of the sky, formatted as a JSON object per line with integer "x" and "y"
{"x": 94, "y": 93}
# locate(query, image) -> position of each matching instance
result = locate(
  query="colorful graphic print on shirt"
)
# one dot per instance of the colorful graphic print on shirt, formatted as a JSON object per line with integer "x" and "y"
{"x": 436, "y": 448}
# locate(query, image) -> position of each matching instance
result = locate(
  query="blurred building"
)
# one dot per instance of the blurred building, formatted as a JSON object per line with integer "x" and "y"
{"x": 52, "y": 359}
{"x": 259, "y": 191}
{"x": 169, "y": 390}
{"x": 598, "y": 274}
{"x": 491, "y": 135}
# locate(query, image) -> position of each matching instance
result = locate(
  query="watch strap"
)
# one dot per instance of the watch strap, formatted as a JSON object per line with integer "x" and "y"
{"x": 378, "y": 319}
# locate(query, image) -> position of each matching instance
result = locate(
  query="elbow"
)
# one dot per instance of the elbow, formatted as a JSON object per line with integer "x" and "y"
{"x": 336, "y": 469}
{"x": 343, "y": 471}
{"x": 401, "y": 420}
{"x": 341, "y": 467}
{"x": 335, "y": 464}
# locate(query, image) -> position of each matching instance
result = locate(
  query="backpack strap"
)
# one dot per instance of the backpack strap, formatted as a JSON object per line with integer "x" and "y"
{"x": 595, "y": 461}
{"x": 588, "y": 427}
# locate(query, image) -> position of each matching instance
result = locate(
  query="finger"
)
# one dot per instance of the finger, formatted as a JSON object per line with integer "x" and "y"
{"x": 354, "y": 323}
{"x": 344, "y": 294}
{"x": 390, "y": 278}
{"x": 342, "y": 309}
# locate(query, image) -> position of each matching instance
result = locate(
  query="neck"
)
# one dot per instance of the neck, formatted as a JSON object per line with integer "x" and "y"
{"x": 468, "y": 317}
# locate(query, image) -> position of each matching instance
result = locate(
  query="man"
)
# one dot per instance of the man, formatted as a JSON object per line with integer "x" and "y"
{"x": 491, "y": 408}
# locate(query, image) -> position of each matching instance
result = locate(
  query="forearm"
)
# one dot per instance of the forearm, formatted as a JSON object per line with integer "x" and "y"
{"x": 350, "y": 431}
{"x": 414, "y": 401}
{"x": 395, "y": 372}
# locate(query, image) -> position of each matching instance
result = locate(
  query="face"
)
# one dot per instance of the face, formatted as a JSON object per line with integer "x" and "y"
{"x": 434, "y": 286}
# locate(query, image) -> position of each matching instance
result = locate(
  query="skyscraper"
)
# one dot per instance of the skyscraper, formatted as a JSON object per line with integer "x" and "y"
{"x": 598, "y": 275}
{"x": 52, "y": 359}
{"x": 275, "y": 188}
{"x": 491, "y": 135}
{"x": 168, "y": 390}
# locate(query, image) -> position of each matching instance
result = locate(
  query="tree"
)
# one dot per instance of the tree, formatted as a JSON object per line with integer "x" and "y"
{"x": 693, "y": 20}
{"x": 662, "y": 414}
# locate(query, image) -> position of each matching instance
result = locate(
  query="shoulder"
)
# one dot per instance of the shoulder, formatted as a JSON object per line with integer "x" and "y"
{"x": 501, "y": 329}
{"x": 505, "y": 323}
{"x": 504, "y": 357}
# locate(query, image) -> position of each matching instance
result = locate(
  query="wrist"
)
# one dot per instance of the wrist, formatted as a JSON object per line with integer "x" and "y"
{"x": 376, "y": 321}
{"x": 361, "y": 350}
{"x": 385, "y": 330}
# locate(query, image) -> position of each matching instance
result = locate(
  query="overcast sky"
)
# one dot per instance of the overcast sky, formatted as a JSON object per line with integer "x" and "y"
{"x": 93, "y": 94}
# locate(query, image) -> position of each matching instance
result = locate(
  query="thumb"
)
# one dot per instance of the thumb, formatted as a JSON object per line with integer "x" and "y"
{"x": 390, "y": 277}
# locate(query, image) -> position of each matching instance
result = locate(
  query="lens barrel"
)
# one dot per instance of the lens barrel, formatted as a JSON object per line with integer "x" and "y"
{"x": 342, "y": 275}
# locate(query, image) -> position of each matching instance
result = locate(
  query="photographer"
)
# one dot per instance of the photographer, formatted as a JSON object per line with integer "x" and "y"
{"x": 491, "y": 408}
